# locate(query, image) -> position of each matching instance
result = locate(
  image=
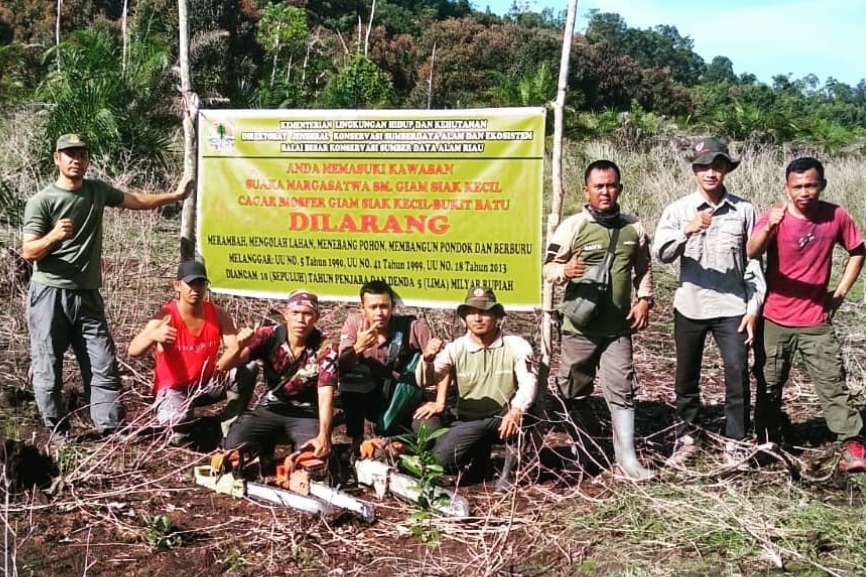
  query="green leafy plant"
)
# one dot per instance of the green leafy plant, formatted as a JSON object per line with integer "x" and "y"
{"x": 122, "y": 107}
{"x": 67, "y": 459}
{"x": 234, "y": 560}
{"x": 11, "y": 205}
{"x": 359, "y": 84}
{"x": 11, "y": 429}
{"x": 160, "y": 532}
{"x": 420, "y": 462}
{"x": 282, "y": 32}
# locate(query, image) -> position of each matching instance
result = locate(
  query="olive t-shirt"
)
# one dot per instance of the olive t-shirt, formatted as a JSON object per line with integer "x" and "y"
{"x": 75, "y": 263}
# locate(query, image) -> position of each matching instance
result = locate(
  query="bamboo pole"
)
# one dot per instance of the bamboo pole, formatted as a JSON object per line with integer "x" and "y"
{"x": 57, "y": 31}
{"x": 556, "y": 176}
{"x": 190, "y": 115}
{"x": 124, "y": 32}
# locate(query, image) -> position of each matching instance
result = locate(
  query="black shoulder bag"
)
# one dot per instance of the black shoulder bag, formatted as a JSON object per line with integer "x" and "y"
{"x": 583, "y": 295}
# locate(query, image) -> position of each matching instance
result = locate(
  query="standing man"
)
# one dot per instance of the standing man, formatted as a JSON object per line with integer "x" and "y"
{"x": 495, "y": 376}
{"x": 186, "y": 334}
{"x": 799, "y": 237}
{"x": 720, "y": 292}
{"x": 375, "y": 345}
{"x": 63, "y": 238}
{"x": 604, "y": 344}
{"x": 300, "y": 367}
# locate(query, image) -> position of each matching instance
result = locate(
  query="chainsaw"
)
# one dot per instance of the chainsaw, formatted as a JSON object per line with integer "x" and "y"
{"x": 384, "y": 478}
{"x": 298, "y": 484}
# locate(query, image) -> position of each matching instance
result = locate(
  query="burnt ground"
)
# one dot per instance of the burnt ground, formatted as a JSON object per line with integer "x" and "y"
{"x": 127, "y": 505}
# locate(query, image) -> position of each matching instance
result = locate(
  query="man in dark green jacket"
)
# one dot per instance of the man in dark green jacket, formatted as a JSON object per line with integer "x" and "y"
{"x": 603, "y": 343}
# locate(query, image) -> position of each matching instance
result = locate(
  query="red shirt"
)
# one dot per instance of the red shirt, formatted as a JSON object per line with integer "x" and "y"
{"x": 799, "y": 259}
{"x": 191, "y": 358}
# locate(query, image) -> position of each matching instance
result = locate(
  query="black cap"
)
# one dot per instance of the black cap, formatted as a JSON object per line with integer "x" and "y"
{"x": 191, "y": 270}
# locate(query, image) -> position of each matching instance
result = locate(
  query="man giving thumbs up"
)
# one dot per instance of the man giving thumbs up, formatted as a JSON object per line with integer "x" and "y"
{"x": 186, "y": 334}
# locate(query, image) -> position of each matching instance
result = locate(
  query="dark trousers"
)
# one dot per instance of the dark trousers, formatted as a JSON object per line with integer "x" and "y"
{"x": 468, "y": 439}
{"x": 690, "y": 336}
{"x": 262, "y": 428}
{"x": 360, "y": 406}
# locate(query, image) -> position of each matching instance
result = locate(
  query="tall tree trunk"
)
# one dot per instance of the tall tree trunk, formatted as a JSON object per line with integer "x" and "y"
{"x": 190, "y": 114}
{"x": 125, "y": 33}
{"x": 369, "y": 27}
{"x": 57, "y": 31}
{"x": 276, "y": 55}
{"x": 430, "y": 78}
{"x": 556, "y": 206}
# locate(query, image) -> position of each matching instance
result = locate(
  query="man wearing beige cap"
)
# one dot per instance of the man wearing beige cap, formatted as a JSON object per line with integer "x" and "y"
{"x": 62, "y": 237}
{"x": 720, "y": 291}
{"x": 300, "y": 368}
{"x": 495, "y": 376}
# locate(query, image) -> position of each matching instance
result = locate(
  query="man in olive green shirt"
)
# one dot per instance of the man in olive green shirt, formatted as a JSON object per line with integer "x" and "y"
{"x": 63, "y": 239}
{"x": 495, "y": 376}
{"x": 603, "y": 343}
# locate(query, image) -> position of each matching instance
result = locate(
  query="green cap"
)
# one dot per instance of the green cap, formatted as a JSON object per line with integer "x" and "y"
{"x": 481, "y": 298}
{"x": 706, "y": 150}
{"x": 71, "y": 141}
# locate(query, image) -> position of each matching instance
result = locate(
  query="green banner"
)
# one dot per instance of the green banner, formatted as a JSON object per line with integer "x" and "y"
{"x": 433, "y": 202}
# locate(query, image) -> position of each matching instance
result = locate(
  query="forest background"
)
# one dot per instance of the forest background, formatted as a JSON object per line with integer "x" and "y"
{"x": 109, "y": 69}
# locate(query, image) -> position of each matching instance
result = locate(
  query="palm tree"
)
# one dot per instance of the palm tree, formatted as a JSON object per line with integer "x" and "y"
{"x": 536, "y": 88}
{"x": 122, "y": 109}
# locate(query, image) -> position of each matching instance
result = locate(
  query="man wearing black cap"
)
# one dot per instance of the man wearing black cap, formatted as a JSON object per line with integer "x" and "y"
{"x": 495, "y": 376}
{"x": 62, "y": 236}
{"x": 186, "y": 334}
{"x": 300, "y": 368}
{"x": 720, "y": 291}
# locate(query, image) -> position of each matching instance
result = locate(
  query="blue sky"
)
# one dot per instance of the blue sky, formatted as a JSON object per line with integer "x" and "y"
{"x": 764, "y": 37}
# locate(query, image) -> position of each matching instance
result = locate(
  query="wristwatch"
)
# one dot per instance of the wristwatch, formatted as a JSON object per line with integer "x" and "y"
{"x": 649, "y": 300}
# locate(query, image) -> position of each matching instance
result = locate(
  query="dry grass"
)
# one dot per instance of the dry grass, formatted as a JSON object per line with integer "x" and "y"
{"x": 791, "y": 512}
{"x": 654, "y": 180}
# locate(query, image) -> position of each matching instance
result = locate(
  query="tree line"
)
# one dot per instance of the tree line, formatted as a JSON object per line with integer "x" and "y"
{"x": 110, "y": 69}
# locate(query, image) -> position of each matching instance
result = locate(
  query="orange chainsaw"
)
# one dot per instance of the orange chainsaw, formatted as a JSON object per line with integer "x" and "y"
{"x": 299, "y": 484}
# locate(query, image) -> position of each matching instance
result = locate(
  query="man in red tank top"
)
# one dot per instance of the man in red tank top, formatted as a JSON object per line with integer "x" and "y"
{"x": 186, "y": 334}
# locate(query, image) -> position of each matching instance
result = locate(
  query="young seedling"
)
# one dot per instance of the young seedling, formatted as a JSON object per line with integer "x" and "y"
{"x": 420, "y": 462}
{"x": 160, "y": 532}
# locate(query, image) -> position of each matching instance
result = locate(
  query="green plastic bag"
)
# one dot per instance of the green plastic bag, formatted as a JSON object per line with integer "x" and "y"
{"x": 405, "y": 397}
